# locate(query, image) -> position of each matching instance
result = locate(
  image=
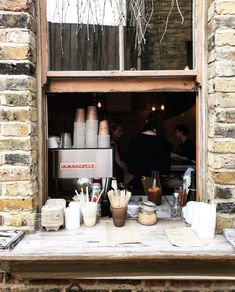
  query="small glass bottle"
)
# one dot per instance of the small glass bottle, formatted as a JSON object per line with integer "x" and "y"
{"x": 181, "y": 197}
{"x": 155, "y": 189}
{"x": 176, "y": 209}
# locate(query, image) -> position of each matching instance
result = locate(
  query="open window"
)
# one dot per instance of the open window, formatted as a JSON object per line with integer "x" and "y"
{"x": 128, "y": 55}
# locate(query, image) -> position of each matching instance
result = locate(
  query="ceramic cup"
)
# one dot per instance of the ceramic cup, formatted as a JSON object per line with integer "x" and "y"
{"x": 119, "y": 216}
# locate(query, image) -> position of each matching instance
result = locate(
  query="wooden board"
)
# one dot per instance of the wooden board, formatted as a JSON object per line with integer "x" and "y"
{"x": 78, "y": 254}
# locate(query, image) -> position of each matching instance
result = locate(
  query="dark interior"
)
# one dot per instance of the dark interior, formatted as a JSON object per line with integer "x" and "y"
{"x": 130, "y": 108}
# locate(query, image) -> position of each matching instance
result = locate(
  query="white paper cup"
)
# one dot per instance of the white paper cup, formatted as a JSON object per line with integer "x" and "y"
{"x": 91, "y": 141}
{"x": 89, "y": 213}
{"x": 103, "y": 141}
{"x": 79, "y": 142}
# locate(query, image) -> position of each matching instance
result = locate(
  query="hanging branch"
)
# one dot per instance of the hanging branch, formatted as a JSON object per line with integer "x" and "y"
{"x": 93, "y": 12}
{"x": 168, "y": 16}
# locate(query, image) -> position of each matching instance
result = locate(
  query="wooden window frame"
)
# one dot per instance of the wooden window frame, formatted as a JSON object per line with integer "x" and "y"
{"x": 140, "y": 81}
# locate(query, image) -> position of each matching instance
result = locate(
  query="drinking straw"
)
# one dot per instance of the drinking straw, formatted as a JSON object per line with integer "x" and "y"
{"x": 97, "y": 200}
{"x": 87, "y": 197}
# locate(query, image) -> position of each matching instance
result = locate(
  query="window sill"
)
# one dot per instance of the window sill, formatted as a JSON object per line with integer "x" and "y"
{"x": 71, "y": 255}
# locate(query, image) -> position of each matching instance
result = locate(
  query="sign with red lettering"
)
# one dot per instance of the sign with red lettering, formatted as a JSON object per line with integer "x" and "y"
{"x": 79, "y": 165}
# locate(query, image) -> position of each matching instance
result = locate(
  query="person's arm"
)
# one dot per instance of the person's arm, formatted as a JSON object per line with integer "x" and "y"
{"x": 184, "y": 158}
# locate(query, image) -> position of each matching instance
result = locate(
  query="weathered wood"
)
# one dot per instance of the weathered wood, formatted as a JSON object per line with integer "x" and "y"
{"x": 78, "y": 254}
{"x": 191, "y": 74}
{"x": 120, "y": 85}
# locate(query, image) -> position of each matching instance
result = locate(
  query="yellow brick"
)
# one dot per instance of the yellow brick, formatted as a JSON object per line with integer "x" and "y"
{"x": 15, "y": 174}
{"x": 225, "y": 7}
{"x": 222, "y": 147}
{"x": 224, "y": 84}
{"x": 15, "y": 220}
{"x": 225, "y": 37}
{"x": 16, "y": 53}
{"x": 23, "y": 189}
{"x": 11, "y": 204}
{"x": 224, "y": 178}
{"x": 223, "y": 221}
{"x": 15, "y": 129}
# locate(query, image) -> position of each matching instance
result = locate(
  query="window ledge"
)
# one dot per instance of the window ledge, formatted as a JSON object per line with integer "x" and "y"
{"x": 77, "y": 254}
{"x": 121, "y": 81}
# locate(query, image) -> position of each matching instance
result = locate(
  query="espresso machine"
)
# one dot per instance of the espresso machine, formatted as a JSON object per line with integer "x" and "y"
{"x": 68, "y": 167}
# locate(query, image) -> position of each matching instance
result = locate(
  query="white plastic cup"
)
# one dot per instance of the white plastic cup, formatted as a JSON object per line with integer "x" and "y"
{"x": 76, "y": 205}
{"x": 207, "y": 221}
{"x": 89, "y": 213}
{"x": 72, "y": 218}
{"x": 195, "y": 224}
{"x": 189, "y": 214}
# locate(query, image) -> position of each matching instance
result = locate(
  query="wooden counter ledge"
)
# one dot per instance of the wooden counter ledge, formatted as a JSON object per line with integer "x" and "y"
{"x": 77, "y": 254}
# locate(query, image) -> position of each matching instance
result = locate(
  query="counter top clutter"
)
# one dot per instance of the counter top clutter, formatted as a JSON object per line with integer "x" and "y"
{"x": 106, "y": 251}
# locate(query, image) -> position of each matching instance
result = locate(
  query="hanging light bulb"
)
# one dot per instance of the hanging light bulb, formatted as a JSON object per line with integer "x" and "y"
{"x": 153, "y": 108}
{"x": 162, "y": 107}
{"x": 99, "y": 104}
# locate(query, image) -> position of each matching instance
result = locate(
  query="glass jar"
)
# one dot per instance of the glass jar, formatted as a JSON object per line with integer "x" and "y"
{"x": 175, "y": 208}
{"x": 147, "y": 213}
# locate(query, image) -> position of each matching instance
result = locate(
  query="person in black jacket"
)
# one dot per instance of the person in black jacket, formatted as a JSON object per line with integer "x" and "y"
{"x": 186, "y": 149}
{"x": 148, "y": 151}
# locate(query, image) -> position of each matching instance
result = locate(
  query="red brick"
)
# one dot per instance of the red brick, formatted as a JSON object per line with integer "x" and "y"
{"x": 190, "y": 284}
{"x": 14, "y": 5}
{"x": 120, "y": 282}
{"x": 155, "y": 283}
{"x": 56, "y": 282}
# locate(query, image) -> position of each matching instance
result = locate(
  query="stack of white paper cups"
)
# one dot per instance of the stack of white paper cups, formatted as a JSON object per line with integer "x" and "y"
{"x": 91, "y": 127}
{"x": 103, "y": 137}
{"x": 79, "y": 129}
{"x": 202, "y": 218}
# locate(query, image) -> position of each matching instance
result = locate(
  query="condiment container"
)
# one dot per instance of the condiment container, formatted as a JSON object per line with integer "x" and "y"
{"x": 147, "y": 213}
{"x": 181, "y": 197}
{"x": 52, "y": 217}
{"x": 155, "y": 189}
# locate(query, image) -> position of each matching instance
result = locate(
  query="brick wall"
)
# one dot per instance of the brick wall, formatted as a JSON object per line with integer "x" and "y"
{"x": 9, "y": 284}
{"x": 18, "y": 113}
{"x": 221, "y": 110}
{"x": 18, "y": 138}
{"x": 172, "y": 52}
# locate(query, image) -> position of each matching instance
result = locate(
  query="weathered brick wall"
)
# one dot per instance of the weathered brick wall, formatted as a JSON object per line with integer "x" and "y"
{"x": 9, "y": 284}
{"x": 18, "y": 113}
{"x": 172, "y": 52}
{"x": 221, "y": 108}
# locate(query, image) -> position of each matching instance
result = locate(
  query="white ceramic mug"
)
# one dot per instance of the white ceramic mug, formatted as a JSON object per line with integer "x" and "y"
{"x": 52, "y": 142}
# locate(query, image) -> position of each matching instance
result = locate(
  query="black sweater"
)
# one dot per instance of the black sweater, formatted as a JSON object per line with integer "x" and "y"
{"x": 146, "y": 153}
